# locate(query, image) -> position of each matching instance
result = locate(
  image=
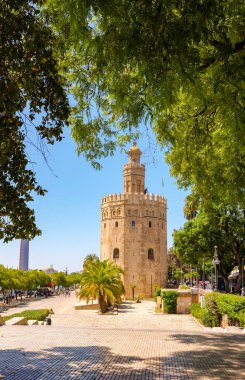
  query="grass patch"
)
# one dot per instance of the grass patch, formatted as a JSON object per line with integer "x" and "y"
{"x": 39, "y": 315}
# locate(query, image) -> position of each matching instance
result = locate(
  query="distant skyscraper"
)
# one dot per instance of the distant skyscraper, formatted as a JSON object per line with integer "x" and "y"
{"x": 24, "y": 255}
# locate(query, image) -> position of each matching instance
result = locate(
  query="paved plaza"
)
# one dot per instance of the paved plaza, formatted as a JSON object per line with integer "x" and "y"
{"x": 133, "y": 344}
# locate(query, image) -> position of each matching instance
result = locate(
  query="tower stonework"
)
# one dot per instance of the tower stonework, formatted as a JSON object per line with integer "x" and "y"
{"x": 134, "y": 231}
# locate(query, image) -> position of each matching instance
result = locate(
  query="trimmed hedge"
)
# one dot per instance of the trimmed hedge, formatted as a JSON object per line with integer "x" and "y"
{"x": 169, "y": 298}
{"x": 219, "y": 304}
{"x": 39, "y": 315}
{"x": 216, "y": 305}
{"x": 202, "y": 314}
{"x": 241, "y": 318}
{"x": 196, "y": 311}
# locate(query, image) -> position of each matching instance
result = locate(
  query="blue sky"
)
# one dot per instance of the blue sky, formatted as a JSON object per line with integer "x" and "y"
{"x": 69, "y": 214}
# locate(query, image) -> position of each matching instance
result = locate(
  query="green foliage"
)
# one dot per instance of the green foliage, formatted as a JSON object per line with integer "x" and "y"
{"x": 59, "y": 279}
{"x": 73, "y": 279}
{"x": 39, "y": 314}
{"x": 90, "y": 259}
{"x": 203, "y": 315}
{"x": 184, "y": 287}
{"x": 196, "y": 310}
{"x": 20, "y": 280}
{"x": 101, "y": 279}
{"x": 220, "y": 304}
{"x": 169, "y": 298}
{"x": 157, "y": 293}
{"x": 176, "y": 65}
{"x": 240, "y": 316}
{"x": 220, "y": 225}
{"x": 30, "y": 85}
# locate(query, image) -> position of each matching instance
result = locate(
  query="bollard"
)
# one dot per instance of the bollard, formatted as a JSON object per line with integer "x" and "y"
{"x": 49, "y": 322}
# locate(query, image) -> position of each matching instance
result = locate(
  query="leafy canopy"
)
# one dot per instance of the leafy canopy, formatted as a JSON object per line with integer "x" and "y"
{"x": 221, "y": 226}
{"x": 175, "y": 64}
{"x": 30, "y": 84}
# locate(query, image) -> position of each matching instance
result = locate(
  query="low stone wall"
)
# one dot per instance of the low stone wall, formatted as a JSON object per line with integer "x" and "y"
{"x": 94, "y": 306}
{"x": 186, "y": 297}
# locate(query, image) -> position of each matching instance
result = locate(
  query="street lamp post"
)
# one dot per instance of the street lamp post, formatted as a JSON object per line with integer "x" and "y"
{"x": 215, "y": 262}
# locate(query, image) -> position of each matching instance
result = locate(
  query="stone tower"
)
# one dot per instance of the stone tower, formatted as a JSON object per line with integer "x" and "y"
{"x": 134, "y": 231}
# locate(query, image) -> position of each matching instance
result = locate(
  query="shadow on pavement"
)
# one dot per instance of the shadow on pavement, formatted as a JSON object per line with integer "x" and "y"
{"x": 213, "y": 357}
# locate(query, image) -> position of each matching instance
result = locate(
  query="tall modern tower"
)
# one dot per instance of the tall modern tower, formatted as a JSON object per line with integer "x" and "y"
{"x": 134, "y": 230}
{"x": 24, "y": 255}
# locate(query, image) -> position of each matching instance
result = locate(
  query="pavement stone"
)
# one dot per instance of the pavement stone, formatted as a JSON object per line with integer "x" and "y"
{"x": 135, "y": 344}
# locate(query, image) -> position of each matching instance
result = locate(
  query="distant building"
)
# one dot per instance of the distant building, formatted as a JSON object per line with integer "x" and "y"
{"x": 50, "y": 270}
{"x": 133, "y": 231}
{"x": 24, "y": 255}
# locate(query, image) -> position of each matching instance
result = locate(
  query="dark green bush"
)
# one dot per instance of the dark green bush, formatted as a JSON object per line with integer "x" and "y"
{"x": 241, "y": 318}
{"x": 202, "y": 314}
{"x": 169, "y": 298}
{"x": 196, "y": 310}
{"x": 39, "y": 315}
{"x": 207, "y": 318}
{"x": 219, "y": 304}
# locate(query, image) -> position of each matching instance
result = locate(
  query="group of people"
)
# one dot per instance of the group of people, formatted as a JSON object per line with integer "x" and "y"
{"x": 64, "y": 292}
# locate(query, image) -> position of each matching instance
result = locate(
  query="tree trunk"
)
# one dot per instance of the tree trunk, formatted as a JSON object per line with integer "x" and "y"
{"x": 226, "y": 281}
{"x": 238, "y": 284}
{"x": 239, "y": 279}
{"x": 108, "y": 302}
{"x": 102, "y": 304}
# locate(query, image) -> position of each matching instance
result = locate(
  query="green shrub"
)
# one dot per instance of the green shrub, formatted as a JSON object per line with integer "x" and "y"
{"x": 220, "y": 304}
{"x": 184, "y": 287}
{"x": 169, "y": 298}
{"x": 39, "y": 315}
{"x": 202, "y": 314}
{"x": 241, "y": 318}
{"x": 196, "y": 310}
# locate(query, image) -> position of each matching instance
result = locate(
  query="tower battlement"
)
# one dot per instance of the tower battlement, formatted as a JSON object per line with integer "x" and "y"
{"x": 131, "y": 197}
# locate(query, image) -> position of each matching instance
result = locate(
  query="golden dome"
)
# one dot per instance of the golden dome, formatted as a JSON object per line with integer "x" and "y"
{"x": 134, "y": 147}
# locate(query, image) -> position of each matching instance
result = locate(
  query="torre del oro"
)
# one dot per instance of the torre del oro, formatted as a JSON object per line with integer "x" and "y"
{"x": 134, "y": 231}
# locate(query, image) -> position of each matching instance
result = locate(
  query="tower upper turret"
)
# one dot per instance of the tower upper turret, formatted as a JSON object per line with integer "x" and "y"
{"x": 134, "y": 172}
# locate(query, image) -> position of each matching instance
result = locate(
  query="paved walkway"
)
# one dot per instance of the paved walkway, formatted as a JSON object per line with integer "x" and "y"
{"x": 135, "y": 344}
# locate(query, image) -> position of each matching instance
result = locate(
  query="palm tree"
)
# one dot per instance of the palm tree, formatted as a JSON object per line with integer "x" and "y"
{"x": 89, "y": 259}
{"x": 102, "y": 279}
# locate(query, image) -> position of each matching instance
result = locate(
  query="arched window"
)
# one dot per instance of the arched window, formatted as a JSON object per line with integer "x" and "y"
{"x": 133, "y": 223}
{"x": 115, "y": 253}
{"x": 116, "y": 224}
{"x": 150, "y": 224}
{"x": 150, "y": 254}
{"x": 104, "y": 225}
{"x": 129, "y": 212}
